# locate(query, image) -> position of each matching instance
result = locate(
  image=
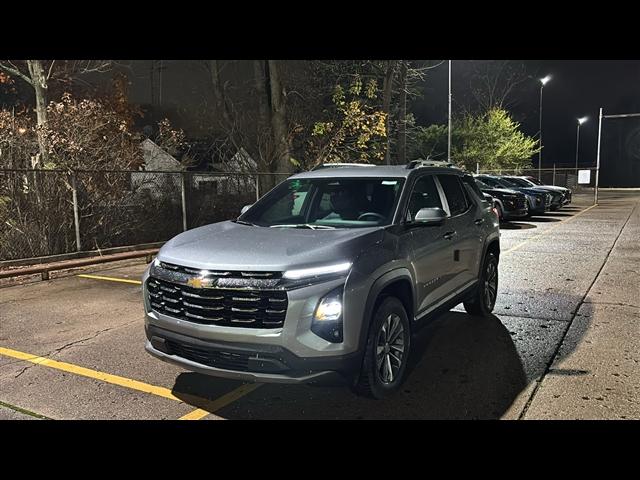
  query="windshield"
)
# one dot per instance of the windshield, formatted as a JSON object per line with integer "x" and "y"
{"x": 321, "y": 203}
{"x": 535, "y": 181}
{"x": 482, "y": 185}
{"x": 520, "y": 182}
{"x": 496, "y": 183}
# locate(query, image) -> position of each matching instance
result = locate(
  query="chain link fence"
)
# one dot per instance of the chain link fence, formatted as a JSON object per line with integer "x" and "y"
{"x": 48, "y": 212}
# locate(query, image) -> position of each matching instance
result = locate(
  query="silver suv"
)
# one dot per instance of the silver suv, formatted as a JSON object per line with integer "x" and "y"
{"x": 327, "y": 275}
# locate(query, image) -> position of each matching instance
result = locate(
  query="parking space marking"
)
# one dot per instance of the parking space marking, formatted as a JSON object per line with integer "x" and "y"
{"x": 515, "y": 247}
{"x": 87, "y": 372}
{"x": 222, "y": 402}
{"x": 110, "y": 279}
{"x": 210, "y": 405}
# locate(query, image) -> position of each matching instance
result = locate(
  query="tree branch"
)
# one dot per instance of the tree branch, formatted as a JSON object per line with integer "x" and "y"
{"x": 16, "y": 72}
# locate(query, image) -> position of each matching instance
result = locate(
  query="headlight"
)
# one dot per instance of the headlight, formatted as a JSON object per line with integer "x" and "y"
{"x": 327, "y": 318}
{"x": 317, "y": 271}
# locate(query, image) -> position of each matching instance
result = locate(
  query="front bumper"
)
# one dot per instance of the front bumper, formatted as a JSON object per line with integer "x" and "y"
{"x": 515, "y": 214}
{"x": 292, "y": 353}
{"x": 248, "y": 362}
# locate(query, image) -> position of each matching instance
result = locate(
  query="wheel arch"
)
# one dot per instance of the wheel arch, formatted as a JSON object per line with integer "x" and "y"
{"x": 397, "y": 283}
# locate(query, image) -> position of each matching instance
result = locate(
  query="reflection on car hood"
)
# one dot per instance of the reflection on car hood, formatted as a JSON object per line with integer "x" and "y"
{"x": 233, "y": 246}
{"x": 531, "y": 190}
{"x": 498, "y": 191}
{"x": 552, "y": 188}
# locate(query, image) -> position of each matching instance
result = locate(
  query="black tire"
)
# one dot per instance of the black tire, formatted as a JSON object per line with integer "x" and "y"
{"x": 484, "y": 298}
{"x": 381, "y": 374}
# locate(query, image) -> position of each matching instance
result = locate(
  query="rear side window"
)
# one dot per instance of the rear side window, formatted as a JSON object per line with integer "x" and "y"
{"x": 455, "y": 194}
{"x": 469, "y": 180}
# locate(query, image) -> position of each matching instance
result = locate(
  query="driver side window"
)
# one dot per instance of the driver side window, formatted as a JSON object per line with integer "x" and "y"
{"x": 424, "y": 195}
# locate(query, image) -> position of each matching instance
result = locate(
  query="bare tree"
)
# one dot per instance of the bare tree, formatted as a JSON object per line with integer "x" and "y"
{"x": 493, "y": 83}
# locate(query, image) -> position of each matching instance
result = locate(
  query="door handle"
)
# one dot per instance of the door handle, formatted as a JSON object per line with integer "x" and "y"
{"x": 479, "y": 221}
{"x": 449, "y": 235}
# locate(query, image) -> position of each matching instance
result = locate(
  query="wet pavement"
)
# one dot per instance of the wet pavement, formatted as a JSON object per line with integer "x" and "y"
{"x": 562, "y": 343}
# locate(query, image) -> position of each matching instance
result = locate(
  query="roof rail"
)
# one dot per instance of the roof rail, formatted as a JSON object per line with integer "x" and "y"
{"x": 428, "y": 163}
{"x": 333, "y": 165}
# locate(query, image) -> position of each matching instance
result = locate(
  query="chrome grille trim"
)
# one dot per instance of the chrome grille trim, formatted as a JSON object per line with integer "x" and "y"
{"x": 219, "y": 306}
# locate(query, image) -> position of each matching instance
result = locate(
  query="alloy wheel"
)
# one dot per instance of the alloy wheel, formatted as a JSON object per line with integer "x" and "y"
{"x": 390, "y": 348}
{"x": 491, "y": 285}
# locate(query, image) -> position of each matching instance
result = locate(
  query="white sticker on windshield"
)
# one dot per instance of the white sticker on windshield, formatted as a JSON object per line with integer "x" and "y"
{"x": 389, "y": 182}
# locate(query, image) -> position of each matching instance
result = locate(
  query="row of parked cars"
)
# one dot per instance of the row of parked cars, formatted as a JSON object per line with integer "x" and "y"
{"x": 518, "y": 197}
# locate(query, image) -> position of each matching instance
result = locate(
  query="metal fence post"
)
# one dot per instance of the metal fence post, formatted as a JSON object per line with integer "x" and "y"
{"x": 257, "y": 187}
{"x": 76, "y": 215}
{"x": 183, "y": 195}
{"x": 554, "y": 175}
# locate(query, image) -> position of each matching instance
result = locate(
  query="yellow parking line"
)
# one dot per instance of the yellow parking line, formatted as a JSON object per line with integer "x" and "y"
{"x": 222, "y": 402}
{"x": 110, "y": 279}
{"x": 87, "y": 372}
{"x": 210, "y": 405}
{"x": 515, "y": 247}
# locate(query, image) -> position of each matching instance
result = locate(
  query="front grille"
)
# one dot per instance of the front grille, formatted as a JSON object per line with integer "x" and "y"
{"x": 219, "y": 273}
{"x": 218, "y": 306}
{"x": 217, "y": 359}
{"x": 515, "y": 202}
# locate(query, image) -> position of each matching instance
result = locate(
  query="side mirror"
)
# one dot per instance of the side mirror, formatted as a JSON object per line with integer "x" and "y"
{"x": 430, "y": 216}
{"x": 245, "y": 208}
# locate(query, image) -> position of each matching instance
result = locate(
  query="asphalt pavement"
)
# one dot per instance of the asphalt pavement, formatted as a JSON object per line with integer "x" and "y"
{"x": 562, "y": 343}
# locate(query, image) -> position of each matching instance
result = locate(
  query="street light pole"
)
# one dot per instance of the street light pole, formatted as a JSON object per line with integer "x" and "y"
{"x": 449, "y": 128}
{"x": 580, "y": 122}
{"x": 543, "y": 81}
{"x": 595, "y": 190}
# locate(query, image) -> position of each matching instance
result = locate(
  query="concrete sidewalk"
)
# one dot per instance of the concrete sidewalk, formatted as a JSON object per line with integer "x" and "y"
{"x": 596, "y": 371}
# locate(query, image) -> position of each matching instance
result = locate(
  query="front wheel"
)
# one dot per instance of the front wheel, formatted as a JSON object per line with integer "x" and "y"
{"x": 484, "y": 298}
{"x": 387, "y": 351}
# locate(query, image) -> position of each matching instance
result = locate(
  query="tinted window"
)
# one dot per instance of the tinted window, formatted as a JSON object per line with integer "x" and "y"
{"x": 424, "y": 195}
{"x": 454, "y": 193}
{"x": 519, "y": 181}
{"x": 469, "y": 180}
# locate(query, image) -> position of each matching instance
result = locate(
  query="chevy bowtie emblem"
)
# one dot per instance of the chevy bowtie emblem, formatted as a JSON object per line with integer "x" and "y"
{"x": 198, "y": 282}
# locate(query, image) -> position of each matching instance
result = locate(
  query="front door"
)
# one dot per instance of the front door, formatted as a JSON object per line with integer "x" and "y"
{"x": 432, "y": 252}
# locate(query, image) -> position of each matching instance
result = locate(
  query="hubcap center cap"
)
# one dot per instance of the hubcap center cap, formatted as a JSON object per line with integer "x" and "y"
{"x": 386, "y": 348}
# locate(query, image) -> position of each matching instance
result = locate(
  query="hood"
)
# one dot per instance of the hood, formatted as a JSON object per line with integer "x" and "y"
{"x": 232, "y": 246}
{"x": 552, "y": 188}
{"x": 531, "y": 190}
{"x": 500, "y": 191}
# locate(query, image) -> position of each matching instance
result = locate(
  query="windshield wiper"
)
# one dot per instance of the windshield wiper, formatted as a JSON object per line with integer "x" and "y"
{"x": 304, "y": 225}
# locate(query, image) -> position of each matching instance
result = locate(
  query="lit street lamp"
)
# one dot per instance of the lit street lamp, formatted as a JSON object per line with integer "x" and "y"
{"x": 543, "y": 81}
{"x": 580, "y": 122}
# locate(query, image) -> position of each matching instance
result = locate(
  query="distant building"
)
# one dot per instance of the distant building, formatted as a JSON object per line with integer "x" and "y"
{"x": 157, "y": 185}
{"x": 158, "y": 159}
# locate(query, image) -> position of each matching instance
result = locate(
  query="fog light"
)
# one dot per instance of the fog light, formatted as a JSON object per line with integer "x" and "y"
{"x": 327, "y": 319}
{"x": 329, "y": 309}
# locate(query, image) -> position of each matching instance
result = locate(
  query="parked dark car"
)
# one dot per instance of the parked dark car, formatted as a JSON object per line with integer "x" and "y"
{"x": 537, "y": 183}
{"x": 557, "y": 197}
{"x": 539, "y": 200}
{"x": 510, "y": 204}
